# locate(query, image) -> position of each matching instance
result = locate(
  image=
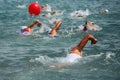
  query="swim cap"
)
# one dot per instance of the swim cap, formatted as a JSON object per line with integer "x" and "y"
{"x": 106, "y": 10}
{"x": 27, "y": 30}
{"x": 23, "y": 27}
{"x": 49, "y": 31}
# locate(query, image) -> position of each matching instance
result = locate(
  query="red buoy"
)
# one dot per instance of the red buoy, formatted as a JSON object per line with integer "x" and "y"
{"x": 34, "y": 9}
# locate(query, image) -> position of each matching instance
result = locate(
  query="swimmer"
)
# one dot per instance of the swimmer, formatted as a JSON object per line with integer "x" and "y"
{"x": 54, "y": 12}
{"x": 104, "y": 12}
{"x": 53, "y": 31}
{"x": 26, "y": 30}
{"x": 89, "y": 26}
{"x": 76, "y": 52}
{"x": 46, "y": 8}
{"x": 80, "y": 13}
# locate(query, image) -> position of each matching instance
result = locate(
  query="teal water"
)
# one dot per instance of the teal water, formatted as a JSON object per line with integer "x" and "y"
{"x": 27, "y": 58}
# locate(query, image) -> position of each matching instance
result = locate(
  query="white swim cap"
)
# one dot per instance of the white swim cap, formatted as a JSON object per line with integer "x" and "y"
{"x": 49, "y": 31}
{"x": 107, "y": 10}
{"x": 23, "y": 27}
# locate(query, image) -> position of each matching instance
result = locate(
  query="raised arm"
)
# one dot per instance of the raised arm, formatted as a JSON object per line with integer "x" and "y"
{"x": 55, "y": 28}
{"x": 78, "y": 48}
{"x": 37, "y": 22}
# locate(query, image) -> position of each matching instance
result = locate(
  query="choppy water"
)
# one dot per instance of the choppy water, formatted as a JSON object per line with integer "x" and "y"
{"x": 27, "y": 58}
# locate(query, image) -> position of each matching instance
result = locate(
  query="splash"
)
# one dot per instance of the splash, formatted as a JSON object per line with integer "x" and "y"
{"x": 60, "y": 62}
{"x": 21, "y": 6}
{"x": 98, "y": 28}
{"x": 80, "y": 13}
{"x": 53, "y": 13}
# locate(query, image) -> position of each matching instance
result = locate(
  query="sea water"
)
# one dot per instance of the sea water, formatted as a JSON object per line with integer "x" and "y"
{"x": 29, "y": 57}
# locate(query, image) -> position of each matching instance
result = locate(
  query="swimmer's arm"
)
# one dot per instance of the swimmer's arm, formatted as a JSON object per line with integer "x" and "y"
{"x": 53, "y": 32}
{"x": 37, "y": 22}
{"x": 56, "y": 27}
{"x": 83, "y": 42}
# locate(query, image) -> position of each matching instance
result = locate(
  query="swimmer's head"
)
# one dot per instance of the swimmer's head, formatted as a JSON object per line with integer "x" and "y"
{"x": 56, "y": 22}
{"x": 104, "y": 12}
{"x": 107, "y": 10}
{"x": 89, "y": 23}
{"x": 46, "y": 6}
{"x": 49, "y": 31}
{"x": 23, "y": 27}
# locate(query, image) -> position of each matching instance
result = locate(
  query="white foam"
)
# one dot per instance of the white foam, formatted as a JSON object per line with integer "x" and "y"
{"x": 109, "y": 55}
{"x": 80, "y": 13}
{"x": 24, "y": 33}
{"x": 21, "y": 6}
{"x": 98, "y": 28}
{"x": 60, "y": 60}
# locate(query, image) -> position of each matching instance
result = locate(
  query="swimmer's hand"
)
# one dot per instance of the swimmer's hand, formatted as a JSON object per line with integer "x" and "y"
{"x": 38, "y": 23}
{"x": 94, "y": 41}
